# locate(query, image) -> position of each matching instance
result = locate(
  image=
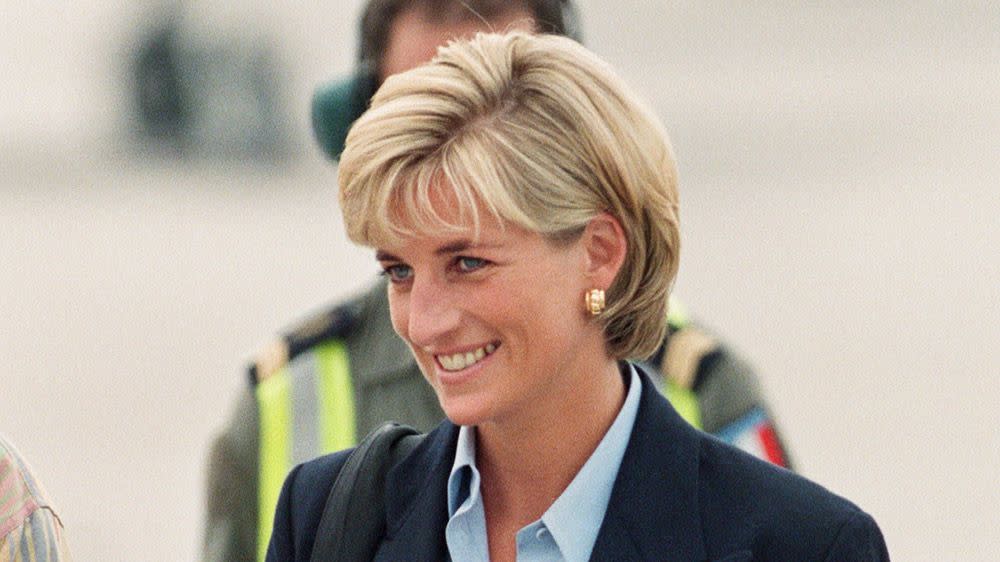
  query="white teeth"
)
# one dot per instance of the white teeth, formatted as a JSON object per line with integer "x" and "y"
{"x": 460, "y": 361}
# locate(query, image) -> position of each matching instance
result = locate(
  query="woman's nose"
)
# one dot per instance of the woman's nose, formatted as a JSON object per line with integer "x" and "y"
{"x": 433, "y": 313}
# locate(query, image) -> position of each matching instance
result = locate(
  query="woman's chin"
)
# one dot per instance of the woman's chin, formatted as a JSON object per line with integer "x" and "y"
{"x": 464, "y": 410}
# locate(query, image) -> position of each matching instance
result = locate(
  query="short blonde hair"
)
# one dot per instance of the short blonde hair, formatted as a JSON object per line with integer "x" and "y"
{"x": 542, "y": 134}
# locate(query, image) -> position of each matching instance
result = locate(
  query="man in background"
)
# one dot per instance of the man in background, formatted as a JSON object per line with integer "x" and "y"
{"x": 339, "y": 374}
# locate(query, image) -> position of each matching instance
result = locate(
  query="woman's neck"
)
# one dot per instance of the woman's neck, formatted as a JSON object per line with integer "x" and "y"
{"x": 528, "y": 462}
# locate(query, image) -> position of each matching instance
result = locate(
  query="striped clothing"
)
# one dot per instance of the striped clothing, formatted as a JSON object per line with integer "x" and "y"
{"x": 30, "y": 530}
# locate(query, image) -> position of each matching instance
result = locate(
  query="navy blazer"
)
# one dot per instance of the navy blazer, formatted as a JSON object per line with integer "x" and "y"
{"x": 680, "y": 495}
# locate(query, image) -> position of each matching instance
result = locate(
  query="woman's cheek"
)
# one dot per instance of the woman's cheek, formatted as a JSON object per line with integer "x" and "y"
{"x": 399, "y": 313}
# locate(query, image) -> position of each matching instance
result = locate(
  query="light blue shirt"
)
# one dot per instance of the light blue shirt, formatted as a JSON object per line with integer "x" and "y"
{"x": 566, "y": 531}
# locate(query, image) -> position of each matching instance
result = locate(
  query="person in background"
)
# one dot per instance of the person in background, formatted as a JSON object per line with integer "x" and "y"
{"x": 339, "y": 373}
{"x": 524, "y": 205}
{"x": 30, "y": 529}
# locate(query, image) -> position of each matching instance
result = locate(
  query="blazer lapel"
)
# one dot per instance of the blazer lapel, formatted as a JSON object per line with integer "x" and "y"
{"x": 653, "y": 511}
{"x": 417, "y": 500}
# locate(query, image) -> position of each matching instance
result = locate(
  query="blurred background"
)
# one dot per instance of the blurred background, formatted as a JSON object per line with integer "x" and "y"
{"x": 160, "y": 221}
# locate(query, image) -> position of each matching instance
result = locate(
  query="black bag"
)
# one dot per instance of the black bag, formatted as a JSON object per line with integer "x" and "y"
{"x": 353, "y": 521}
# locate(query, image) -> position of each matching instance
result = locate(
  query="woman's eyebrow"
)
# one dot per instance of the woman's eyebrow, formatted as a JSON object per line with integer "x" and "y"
{"x": 463, "y": 245}
{"x": 450, "y": 248}
{"x": 381, "y": 255}
{"x": 454, "y": 247}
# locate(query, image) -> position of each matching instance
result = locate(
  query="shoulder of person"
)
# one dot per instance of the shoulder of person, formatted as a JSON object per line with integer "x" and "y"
{"x": 338, "y": 321}
{"x": 24, "y": 498}
{"x": 748, "y": 501}
{"x": 726, "y": 385}
{"x": 300, "y": 506}
{"x": 693, "y": 356}
{"x": 310, "y": 483}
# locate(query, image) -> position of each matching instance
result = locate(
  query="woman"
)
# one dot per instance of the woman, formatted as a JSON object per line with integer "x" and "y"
{"x": 523, "y": 205}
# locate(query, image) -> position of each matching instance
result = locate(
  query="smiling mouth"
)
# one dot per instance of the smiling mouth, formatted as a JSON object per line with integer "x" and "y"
{"x": 459, "y": 361}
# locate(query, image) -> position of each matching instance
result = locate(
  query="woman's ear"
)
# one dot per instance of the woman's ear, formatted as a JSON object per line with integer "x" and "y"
{"x": 605, "y": 246}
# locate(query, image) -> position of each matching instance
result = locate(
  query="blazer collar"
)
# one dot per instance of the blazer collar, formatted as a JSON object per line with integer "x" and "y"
{"x": 653, "y": 513}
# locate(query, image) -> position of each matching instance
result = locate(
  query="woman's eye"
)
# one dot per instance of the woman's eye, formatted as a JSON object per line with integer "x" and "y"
{"x": 466, "y": 265}
{"x": 397, "y": 273}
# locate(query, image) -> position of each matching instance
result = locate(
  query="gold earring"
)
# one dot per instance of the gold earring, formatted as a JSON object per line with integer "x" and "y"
{"x": 594, "y": 299}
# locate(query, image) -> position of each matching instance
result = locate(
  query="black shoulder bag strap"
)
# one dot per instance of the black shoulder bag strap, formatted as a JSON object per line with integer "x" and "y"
{"x": 353, "y": 521}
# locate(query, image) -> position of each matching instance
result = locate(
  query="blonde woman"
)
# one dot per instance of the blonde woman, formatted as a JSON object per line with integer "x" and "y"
{"x": 523, "y": 204}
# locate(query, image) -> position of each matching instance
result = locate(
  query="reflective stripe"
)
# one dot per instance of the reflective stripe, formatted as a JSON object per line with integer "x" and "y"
{"x": 305, "y": 409}
{"x": 685, "y": 402}
{"x": 336, "y": 397}
{"x": 274, "y": 400}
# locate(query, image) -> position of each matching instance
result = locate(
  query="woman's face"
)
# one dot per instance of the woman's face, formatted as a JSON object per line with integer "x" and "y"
{"x": 493, "y": 322}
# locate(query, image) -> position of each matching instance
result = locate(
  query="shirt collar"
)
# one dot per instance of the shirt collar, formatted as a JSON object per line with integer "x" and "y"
{"x": 575, "y": 518}
{"x": 463, "y": 470}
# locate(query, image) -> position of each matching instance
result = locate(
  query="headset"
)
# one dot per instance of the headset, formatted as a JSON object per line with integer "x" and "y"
{"x": 337, "y": 104}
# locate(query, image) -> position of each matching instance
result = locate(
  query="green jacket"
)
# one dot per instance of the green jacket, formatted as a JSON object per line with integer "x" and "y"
{"x": 292, "y": 412}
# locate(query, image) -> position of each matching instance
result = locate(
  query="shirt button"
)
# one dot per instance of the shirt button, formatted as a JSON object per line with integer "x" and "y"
{"x": 541, "y": 532}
